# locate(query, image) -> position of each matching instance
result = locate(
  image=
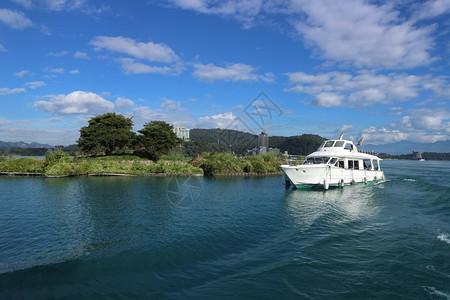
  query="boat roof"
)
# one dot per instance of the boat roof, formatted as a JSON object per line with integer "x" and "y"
{"x": 341, "y": 149}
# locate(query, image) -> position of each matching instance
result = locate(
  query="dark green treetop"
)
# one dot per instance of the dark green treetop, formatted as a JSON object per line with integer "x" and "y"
{"x": 156, "y": 139}
{"x": 106, "y": 133}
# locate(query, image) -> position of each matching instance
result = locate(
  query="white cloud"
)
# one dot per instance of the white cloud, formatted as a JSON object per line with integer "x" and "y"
{"x": 22, "y": 73}
{"x": 124, "y": 103}
{"x": 2, "y": 49}
{"x": 365, "y": 88}
{"x": 55, "y": 70}
{"x": 144, "y": 114}
{"x": 345, "y": 127}
{"x": 48, "y": 136}
{"x": 432, "y": 9}
{"x": 421, "y": 125}
{"x": 14, "y": 19}
{"x": 59, "y": 5}
{"x": 8, "y": 91}
{"x": 24, "y": 3}
{"x": 171, "y": 105}
{"x": 5, "y": 121}
{"x": 232, "y": 72}
{"x": 168, "y": 62}
{"x": 383, "y": 135}
{"x": 426, "y": 119}
{"x": 62, "y": 5}
{"x": 148, "y": 51}
{"x": 35, "y": 84}
{"x": 81, "y": 55}
{"x": 363, "y": 34}
{"x": 77, "y": 102}
{"x": 58, "y": 54}
{"x": 243, "y": 10}
{"x": 370, "y": 95}
{"x": 74, "y": 72}
{"x": 327, "y": 100}
{"x": 130, "y": 66}
{"x": 216, "y": 121}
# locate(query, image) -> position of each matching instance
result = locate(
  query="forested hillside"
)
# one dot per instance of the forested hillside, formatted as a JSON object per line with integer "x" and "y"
{"x": 298, "y": 145}
{"x": 240, "y": 142}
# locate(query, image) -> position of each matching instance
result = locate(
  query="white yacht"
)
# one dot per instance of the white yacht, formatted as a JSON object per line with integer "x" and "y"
{"x": 335, "y": 163}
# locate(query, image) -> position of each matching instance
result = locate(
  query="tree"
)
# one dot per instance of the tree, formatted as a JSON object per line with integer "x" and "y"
{"x": 157, "y": 139}
{"x": 106, "y": 133}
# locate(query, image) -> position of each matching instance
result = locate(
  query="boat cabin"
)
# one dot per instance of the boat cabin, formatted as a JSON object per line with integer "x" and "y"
{"x": 345, "y": 163}
{"x": 342, "y": 154}
{"x": 337, "y": 145}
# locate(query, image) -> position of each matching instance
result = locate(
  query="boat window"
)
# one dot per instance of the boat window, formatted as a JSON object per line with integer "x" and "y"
{"x": 375, "y": 165}
{"x": 348, "y": 146}
{"x": 332, "y": 161}
{"x": 322, "y": 160}
{"x": 315, "y": 160}
{"x": 341, "y": 164}
{"x": 308, "y": 161}
{"x": 350, "y": 164}
{"x": 339, "y": 144}
{"x": 356, "y": 164}
{"x": 367, "y": 164}
{"x": 329, "y": 144}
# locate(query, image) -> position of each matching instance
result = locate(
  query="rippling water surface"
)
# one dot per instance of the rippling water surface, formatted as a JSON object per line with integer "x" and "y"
{"x": 227, "y": 238}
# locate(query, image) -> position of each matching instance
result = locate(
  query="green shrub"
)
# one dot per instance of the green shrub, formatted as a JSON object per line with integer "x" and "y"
{"x": 181, "y": 169}
{"x": 258, "y": 165}
{"x": 22, "y": 165}
{"x": 60, "y": 169}
{"x": 56, "y": 157}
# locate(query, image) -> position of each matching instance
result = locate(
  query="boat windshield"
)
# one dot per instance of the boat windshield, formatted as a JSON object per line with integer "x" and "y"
{"x": 339, "y": 144}
{"x": 328, "y": 144}
{"x": 332, "y": 161}
{"x": 315, "y": 160}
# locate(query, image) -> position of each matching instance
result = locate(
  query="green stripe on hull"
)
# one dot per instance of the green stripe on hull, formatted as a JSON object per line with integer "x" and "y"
{"x": 320, "y": 187}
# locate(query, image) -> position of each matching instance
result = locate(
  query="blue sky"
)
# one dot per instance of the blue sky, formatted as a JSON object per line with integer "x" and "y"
{"x": 378, "y": 69}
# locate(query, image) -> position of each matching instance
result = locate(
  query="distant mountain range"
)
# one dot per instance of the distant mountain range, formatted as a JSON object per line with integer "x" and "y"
{"x": 23, "y": 145}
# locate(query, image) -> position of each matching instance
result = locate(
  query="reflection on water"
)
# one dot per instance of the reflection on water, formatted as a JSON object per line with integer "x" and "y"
{"x": 339, "y": 205}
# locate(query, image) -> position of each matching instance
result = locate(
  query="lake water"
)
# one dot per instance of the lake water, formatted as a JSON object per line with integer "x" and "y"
{"x": 178, "y": 238}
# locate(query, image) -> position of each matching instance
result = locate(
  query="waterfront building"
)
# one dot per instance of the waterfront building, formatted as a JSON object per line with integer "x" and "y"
{"x": 263, "y": 146}
{"x": 181, "y": 132}
{"x": 263, "y": 140}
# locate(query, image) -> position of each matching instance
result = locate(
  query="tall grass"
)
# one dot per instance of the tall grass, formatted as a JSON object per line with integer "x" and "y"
{"x": 60, "y": 164}
{"x": 227, "y": 164}
{"x": 22, "y": 165}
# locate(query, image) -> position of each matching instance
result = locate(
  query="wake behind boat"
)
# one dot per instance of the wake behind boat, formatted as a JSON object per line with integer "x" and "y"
{"x": 335, "y": 163}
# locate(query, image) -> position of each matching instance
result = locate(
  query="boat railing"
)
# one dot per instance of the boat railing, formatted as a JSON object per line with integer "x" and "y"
{"x": 292, "y": 160}
{"x": 368, "y": 152}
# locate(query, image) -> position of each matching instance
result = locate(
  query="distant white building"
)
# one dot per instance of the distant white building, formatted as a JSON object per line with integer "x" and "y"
{"x": 263, "y": 146}
{"x": 263, "y": 140}
{"x": 181, "y": 132}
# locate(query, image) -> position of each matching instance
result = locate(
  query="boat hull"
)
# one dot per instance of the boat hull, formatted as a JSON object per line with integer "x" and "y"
{"x": 306, "y": 175}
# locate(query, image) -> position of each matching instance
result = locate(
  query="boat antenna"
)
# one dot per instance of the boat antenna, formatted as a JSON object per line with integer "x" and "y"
{"x": 342, "y": 134}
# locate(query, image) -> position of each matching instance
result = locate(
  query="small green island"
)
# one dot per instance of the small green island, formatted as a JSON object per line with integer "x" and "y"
{"x": 109, "y": 147}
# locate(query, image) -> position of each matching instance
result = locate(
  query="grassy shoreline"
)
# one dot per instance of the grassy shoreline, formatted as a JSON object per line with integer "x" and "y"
{"x": 59, "y": 164}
